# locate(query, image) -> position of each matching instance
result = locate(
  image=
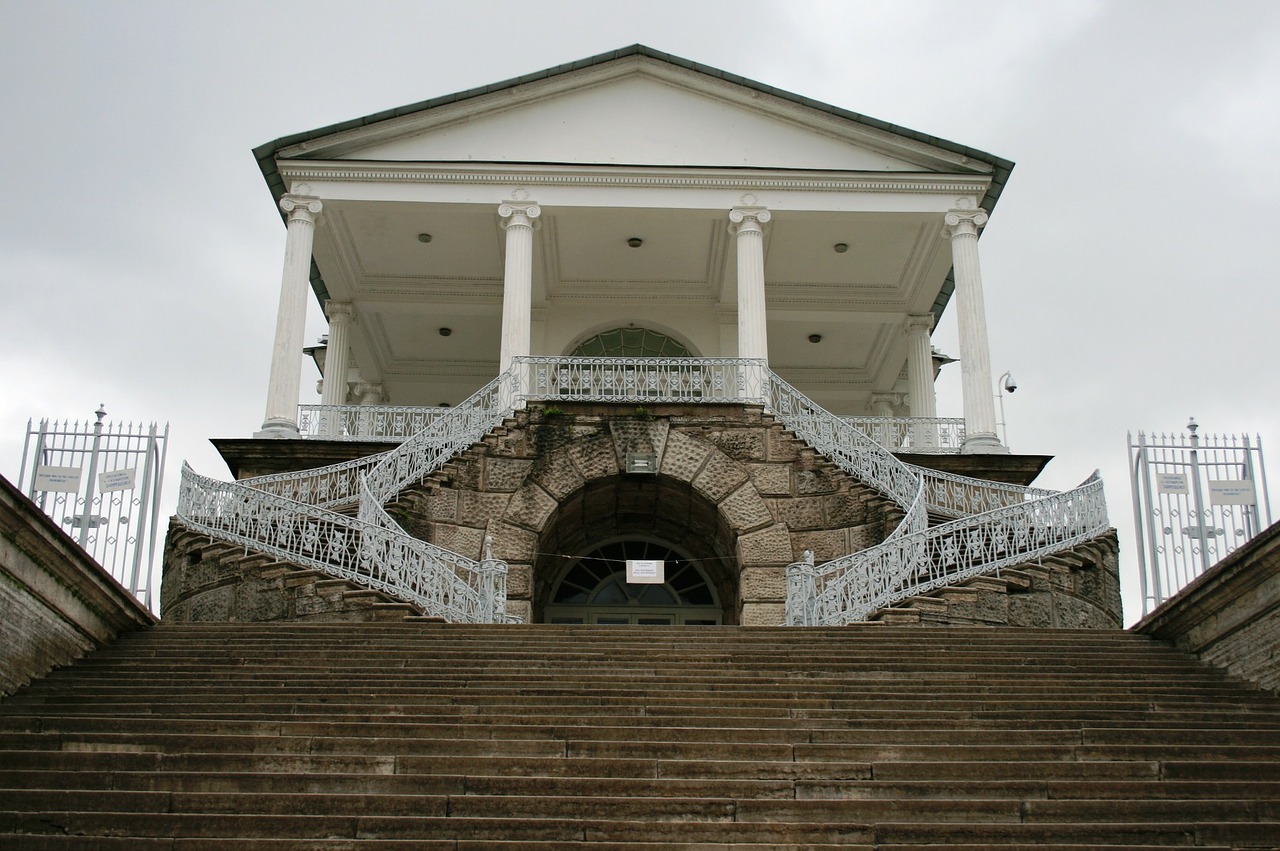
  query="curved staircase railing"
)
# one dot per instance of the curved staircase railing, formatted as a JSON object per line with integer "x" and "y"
{"x": 293, "y": 516}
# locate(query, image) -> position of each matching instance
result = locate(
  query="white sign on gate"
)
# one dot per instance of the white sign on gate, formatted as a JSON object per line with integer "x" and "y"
{"x": 59, "y": 479}
{"x": 117, "y": 480}
{"x": 1175, "y": 483}
{"x": 1231, "y": 492}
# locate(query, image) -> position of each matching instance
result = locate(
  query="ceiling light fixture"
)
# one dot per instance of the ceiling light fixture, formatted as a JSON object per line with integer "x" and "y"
{"x": 841, "y": 247}
{"x": 635, "y": 242}
{"x": 424, "y": 237}
{"x": 445, "y": 332}
{"x": 815, "y": 338}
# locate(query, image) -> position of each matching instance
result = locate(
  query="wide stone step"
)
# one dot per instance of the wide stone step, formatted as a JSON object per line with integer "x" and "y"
{"x": 363, "y": 827}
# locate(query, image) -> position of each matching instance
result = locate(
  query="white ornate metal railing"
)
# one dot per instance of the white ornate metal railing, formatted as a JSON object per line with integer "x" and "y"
{"x": 644, "y": 380}
{"x": 442, "y": 583}
{"x": 850, "y": 588}
{"x": 923, "y": 435}
{"x": 372, "y": 423}
{"x": 291, "y": 515}
{"x": 959, "y": 496}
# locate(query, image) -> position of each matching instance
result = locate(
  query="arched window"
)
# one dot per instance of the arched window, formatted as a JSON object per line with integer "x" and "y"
{"x": 632, "y": 343}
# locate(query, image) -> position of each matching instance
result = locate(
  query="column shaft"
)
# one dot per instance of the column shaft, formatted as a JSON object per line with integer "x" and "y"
{"x": 921, "y": 395}
{"x": 753, "y": 341}
{"x": 337, "y": 362}
{"x": 517, "y": 280}
{"x": 971, "y": 318}
{"x": 291, "y": 318}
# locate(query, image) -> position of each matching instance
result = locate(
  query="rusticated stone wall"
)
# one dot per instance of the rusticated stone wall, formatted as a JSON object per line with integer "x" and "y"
{"x": 733, "y": 488}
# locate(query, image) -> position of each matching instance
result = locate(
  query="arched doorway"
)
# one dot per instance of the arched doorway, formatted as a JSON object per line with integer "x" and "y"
{"x": 579, "y": 575}
{"x": 594, "y": 589}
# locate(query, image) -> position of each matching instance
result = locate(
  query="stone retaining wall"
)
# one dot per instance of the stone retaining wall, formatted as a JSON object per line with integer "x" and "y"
{"x": 56, "y": 603}
{"x": 1230, "y": 616}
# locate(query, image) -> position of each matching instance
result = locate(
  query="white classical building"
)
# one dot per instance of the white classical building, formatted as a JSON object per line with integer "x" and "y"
{"x": 630, "y": 310}
{"x": 630, "y": 204}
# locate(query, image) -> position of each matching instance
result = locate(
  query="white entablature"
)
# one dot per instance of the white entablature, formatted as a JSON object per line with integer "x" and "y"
{"x": 633, "y": 147}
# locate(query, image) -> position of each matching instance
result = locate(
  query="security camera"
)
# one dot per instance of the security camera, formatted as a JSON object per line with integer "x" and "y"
{"x": 1009, "y": 384}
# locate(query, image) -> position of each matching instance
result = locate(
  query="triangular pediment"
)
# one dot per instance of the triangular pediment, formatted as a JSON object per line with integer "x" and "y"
{"x": 635, "y": 110}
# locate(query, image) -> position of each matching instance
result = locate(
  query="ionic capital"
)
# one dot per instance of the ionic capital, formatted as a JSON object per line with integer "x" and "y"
{"x": 963, "y": 222}
{"x": 303, "y": 207}
{"x": 748, "y": 219}
{"x": 339, "y": 310}
{"x": 369, "y": 393}
{"x": 519, "y": 213}
{"x": 889, "y": 399}
{"x": 920, "y": 322}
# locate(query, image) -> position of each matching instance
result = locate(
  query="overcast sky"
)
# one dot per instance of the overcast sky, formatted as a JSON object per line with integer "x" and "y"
{"x": 1130, "y": 269}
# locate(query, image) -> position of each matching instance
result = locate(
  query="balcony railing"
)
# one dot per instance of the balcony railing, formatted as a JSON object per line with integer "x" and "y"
{"x": 702, "y": 382}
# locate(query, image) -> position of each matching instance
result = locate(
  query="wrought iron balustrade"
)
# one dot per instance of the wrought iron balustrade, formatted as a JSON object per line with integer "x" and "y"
{"x": 292, "y": 515}
{"x": 850, "y": 588}
{"x": 924, "y": 435}
{"x": 373, "y": 423}
{"x": 643, "y": 380}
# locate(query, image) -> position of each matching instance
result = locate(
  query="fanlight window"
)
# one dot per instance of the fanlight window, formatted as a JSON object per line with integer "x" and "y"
{"x": 632, "y": 343}
{"x": 599, "y": 578}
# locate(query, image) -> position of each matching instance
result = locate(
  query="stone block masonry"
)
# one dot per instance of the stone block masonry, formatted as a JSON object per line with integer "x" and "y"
{"x": 733, "y": 488}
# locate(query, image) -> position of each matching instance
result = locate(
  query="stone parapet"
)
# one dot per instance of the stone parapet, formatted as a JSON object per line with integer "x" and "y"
{"x": 56, "y": 602}
{"x": 1230, "y": 616}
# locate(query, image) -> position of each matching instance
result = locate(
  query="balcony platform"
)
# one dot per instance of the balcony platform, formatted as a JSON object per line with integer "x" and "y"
{"x": 1009, "y": 469}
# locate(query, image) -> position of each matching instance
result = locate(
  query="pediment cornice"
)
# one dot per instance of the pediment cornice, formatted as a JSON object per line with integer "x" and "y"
{"x": 647, "y": 177}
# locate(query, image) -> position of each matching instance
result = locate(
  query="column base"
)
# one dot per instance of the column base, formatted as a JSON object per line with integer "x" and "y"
{"x": 278, "y": 429}
{"x": 983, "y": 444}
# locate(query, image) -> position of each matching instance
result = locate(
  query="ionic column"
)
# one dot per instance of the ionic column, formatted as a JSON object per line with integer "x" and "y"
{"x": 753, "y": 339}
{"x": 971, "y": 317}
{"x": 337, "y": 361}
{"x": 519, "y": 219}
{"x": 921, "y": 396}
{"x": 291, "y": 318}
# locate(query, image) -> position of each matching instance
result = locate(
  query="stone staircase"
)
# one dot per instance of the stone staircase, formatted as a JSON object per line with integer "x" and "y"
{"x": 415, "y": 734}
{"x": 1072, "y": 589}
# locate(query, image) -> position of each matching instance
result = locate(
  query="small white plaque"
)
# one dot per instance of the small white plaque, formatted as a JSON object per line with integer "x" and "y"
{"x": 1231, "y": 492}
{"x": 646, "y": 571}
{"x": 60, "y": 479}
{"x": 1174, "y": 483}
{"x": 117, "y": 480}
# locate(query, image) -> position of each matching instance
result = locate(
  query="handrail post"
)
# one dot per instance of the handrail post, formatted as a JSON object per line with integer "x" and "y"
{"x": 493, "y": 585}
{"x": 802, "y": 592}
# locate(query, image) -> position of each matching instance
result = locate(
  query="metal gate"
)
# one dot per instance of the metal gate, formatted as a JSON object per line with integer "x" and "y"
{"x": 101, "y": 482}
{"x": 1195, "y": 499}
